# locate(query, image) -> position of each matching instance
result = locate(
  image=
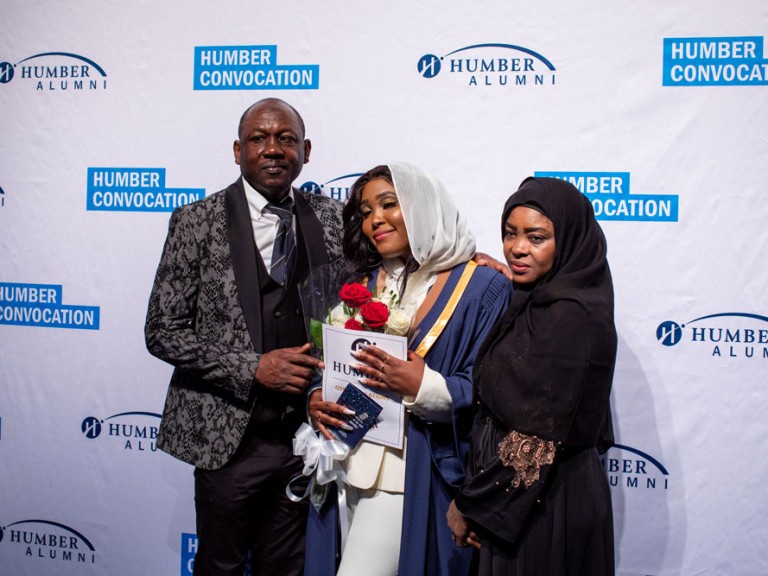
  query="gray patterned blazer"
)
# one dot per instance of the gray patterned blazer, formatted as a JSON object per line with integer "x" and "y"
{"x": 202, "y": 320}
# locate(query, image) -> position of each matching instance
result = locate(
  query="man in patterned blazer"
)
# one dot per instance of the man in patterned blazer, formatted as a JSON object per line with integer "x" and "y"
{"x": 225, "y": 312}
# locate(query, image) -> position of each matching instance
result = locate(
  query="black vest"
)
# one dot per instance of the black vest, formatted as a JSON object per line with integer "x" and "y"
{"x": 283, "y": 326}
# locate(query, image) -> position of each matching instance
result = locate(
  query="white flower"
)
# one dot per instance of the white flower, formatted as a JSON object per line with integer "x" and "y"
{"x": 399, "y": 322}
{"x": 338, "y": 316}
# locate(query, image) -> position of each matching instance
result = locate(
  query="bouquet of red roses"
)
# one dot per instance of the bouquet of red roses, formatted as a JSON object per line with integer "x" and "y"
{"x": 330, "y": 298}
{"x": 360, "y": 309}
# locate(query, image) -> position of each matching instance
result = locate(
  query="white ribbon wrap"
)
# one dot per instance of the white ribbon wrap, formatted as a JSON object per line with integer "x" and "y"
{"x": 322, "y": 457}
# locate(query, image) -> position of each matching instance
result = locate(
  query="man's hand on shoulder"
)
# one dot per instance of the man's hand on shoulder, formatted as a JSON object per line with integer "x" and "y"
{"x": 483, "y": 259}
{"x": 287, "y": 370}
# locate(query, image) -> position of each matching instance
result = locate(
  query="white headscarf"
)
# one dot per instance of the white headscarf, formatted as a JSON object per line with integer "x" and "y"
{"x": 438, "y": 234}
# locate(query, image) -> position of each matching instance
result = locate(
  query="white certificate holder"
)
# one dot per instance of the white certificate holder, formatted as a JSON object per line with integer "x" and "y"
{"x": 338, "y": 345}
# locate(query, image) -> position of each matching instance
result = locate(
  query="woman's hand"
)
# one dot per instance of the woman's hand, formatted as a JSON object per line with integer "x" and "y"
{"x": 326, "y": 413}
{"x": 462, "y": 535}
{"x": 386, "y": 372}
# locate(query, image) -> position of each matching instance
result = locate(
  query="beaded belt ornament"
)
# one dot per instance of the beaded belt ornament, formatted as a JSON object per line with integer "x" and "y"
{"x": 526, "y": 454}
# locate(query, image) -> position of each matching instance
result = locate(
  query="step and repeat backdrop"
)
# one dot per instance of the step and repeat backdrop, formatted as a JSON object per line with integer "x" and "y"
{"x": 114, "y": 113}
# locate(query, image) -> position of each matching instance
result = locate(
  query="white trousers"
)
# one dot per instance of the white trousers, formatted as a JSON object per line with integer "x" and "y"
{"x": 376, "y": 523}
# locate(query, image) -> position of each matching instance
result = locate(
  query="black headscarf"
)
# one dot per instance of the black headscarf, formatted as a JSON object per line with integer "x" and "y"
{"x": 546, "y": 368}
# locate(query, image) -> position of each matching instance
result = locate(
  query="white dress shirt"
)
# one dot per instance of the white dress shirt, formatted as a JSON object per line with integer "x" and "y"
{"x": 264, "y": 223}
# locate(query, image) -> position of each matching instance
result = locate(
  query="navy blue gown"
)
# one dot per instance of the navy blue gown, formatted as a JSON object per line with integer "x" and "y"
{"x": 437, "y": 452}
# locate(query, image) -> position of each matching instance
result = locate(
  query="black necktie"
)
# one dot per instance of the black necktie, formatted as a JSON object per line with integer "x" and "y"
{"x": 283, "y": 252}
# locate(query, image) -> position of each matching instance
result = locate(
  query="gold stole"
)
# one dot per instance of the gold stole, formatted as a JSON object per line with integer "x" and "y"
{"x": 450, "y": 306}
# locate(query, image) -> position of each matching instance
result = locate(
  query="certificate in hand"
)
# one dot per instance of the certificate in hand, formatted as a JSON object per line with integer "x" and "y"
{"x": 338, "y": 345}
{"x": 366, "y": 412}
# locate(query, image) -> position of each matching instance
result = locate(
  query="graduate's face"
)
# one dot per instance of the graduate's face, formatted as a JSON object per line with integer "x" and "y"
{"x": 529, "y": 245}
{"x": 383, "y": 222}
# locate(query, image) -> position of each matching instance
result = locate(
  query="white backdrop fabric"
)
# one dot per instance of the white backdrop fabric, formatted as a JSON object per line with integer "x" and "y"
{"x": 114, "y": 112}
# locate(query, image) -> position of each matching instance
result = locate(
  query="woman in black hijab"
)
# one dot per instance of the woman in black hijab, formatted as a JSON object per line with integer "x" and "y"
{"x": 538, "y": 501}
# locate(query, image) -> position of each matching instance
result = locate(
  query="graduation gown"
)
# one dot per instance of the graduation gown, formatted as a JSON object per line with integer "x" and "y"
{"x": 436, "y": 452}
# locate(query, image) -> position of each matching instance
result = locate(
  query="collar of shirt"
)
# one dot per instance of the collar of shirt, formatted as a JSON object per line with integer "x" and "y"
{"x": 257, "y": 202}
{"x": 263, "y": 223}
{"x": 419, "y": 284}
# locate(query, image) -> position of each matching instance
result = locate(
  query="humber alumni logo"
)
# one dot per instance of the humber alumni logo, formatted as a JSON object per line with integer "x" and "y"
{"x": 48, "y": 542}
{"x": 131, "y": 430}
{"x": 56, "y": 71}
{"x": 337, "y": 188}
{"x": 727, "y": 334}
{"x": 491, "y": 65}
{"x": 633, "y": 469}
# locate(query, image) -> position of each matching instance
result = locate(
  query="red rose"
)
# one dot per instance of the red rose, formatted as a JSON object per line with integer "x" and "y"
{"x": 353, "y": 324}
{"x": 375, "y": 314}
{"x": 355, "y": 295}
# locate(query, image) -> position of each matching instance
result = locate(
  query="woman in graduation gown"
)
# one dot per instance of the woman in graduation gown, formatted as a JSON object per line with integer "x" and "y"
{"x": 537, "y": 497}
{"x": 403, "y": 231}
